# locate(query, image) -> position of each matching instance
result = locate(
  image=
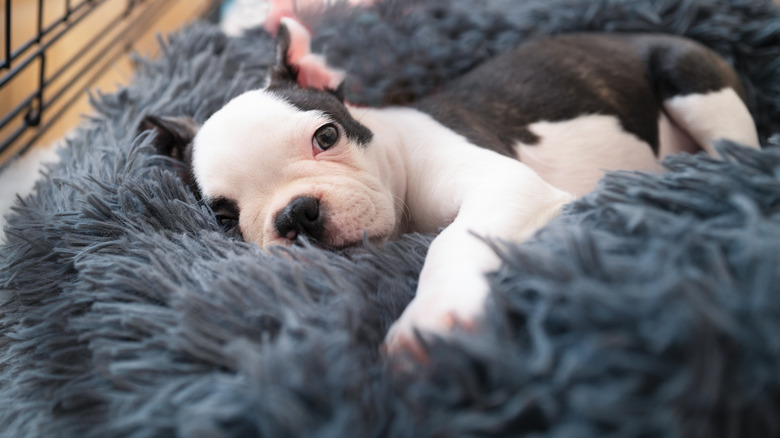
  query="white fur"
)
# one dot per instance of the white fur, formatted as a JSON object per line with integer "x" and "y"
{"x": 257, "y": 150}
{"x": 573, "y": 155}
{"x": 417, "y": 175}
{"x": 493, "y": 196}
{"x": 414, "y": 175}
{"x": 476, "y": 192}
{"x": 713, "y": 116}
{"x": 672, "y": 139}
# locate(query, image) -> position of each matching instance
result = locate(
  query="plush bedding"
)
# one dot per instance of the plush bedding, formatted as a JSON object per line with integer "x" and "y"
{"x": 651, "y": 308}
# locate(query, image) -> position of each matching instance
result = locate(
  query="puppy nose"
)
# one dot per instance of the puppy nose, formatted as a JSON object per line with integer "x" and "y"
{"x": 302, "y": 216}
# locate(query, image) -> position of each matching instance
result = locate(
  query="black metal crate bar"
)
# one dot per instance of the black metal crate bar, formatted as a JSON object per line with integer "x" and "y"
{"x": 57, "y": 87}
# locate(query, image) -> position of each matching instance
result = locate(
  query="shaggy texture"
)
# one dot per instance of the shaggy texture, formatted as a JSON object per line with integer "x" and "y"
{"x": 649, "y": 309}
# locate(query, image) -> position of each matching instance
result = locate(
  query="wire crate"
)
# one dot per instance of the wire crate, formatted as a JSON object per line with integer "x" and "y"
{"x": 53, "y": 50}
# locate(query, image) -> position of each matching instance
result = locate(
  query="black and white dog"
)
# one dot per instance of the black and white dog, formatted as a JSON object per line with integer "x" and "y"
{"x": 496, "y": 153}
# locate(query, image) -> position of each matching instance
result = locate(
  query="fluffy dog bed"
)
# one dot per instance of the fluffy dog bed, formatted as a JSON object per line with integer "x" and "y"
{"x": 650, "y": 309}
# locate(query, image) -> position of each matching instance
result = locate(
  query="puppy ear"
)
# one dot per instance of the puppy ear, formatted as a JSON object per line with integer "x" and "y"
{"x": 173, "y": 135}
{"x": 338, "y": 91}
{"x": 283, "y": 73}
{"x": 295, "y": 65}
{"x": 173, "y": 138}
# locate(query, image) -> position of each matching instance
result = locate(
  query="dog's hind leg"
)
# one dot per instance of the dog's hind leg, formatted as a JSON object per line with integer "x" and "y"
{"x": 713, "y": 116}
{"x": 700, "y": 93}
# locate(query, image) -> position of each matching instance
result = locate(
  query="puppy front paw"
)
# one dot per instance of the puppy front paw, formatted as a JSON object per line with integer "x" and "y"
{"x": 429, "y": 317}
{"x": 451, "y": 294}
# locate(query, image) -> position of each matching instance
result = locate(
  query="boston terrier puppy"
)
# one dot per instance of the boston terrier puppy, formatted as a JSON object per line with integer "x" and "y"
{"x": 494, "y": 154}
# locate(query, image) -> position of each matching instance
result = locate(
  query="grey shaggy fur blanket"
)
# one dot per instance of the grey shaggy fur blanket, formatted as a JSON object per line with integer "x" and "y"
{"x": 651, "y": 308}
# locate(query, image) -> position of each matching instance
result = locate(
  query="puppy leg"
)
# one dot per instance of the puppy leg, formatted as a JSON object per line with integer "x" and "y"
{"x": 713, "y": 116}
{"x": 573, "y": 155}
{"x": 503, "y": 199}
{"x": 700, "y": 92}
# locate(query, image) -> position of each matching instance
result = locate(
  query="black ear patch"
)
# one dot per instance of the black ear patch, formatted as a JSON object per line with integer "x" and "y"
{"x": 173, "y": 138}
{"x": 311, "y": 99}
{"x": 283, "y": 81}
{"x": 173, "y": 135}
{"x": 338, "y": 92}
{"x": 282, "y": 74}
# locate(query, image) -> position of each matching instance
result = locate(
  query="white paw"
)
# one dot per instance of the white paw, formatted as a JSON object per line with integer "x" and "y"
{"x": 436, "y": 314}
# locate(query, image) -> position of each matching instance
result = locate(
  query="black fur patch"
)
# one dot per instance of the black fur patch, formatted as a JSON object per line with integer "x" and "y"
{"x": 227, "y": 214}
{"x": 173, "y": 138}
{"x": 561, "y": 78}
{"x": 679, "y": 67}
{"x": 224, "y": 207}
{"x": 310, "y": 99}
{"x": 281, "y": 71}
{"x": 554, "y": 79}
{"x": 284, "y": 83}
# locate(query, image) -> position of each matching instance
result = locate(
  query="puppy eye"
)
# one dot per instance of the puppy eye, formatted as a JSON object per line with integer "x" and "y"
{"x": 226, "y": 213}
{"x": 325, "y": 138}
{"x": 226, "y": 222}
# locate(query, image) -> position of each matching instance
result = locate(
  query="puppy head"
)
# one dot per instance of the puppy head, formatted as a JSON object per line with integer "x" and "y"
{"x": 287, "y": 162}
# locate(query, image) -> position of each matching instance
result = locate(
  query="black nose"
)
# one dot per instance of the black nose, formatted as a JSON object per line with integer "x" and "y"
{"x": 301, "y": 217}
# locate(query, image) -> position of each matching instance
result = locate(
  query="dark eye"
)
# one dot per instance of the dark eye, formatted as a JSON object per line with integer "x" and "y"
{"x": 227, "y": 223}
{"x": 226, "y": 213}
{"x": 326, "y": 137}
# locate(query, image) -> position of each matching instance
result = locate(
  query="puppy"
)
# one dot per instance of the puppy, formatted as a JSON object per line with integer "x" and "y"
{"x": 495, "y": 154}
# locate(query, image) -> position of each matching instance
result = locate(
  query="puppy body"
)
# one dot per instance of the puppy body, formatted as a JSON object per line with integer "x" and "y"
{"x": 495, "y": 154}
{"x": 575, "y": 105}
